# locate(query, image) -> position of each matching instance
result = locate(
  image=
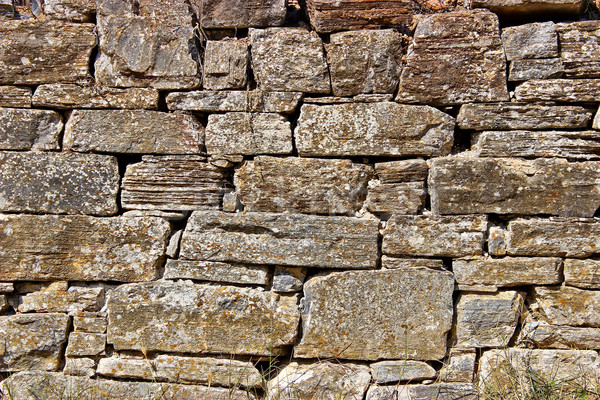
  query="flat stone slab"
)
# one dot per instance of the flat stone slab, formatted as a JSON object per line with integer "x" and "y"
{"x": 579, "y": 45}
{"x": 583, "y": 274}
{"x": 15, "y": 96}
{"x": 74, "y": 300}
{"x": 544, "y": 335}
{"x": 86, "y": 344}
{"x": 67, "y": 96}
{"x": 27, "y": 129}
{"x": 402, "y": 171}
{"x": 70, "y": 10}
{"x": 559, "y": 90}
{"x": 401, "y": 198}
{"x": 435, "y": 391}
{"x": 404, "y": 370}
{"x": 189, "y": 318}
{"x": 540, "y": 68}
{"x": 373, "y": 129}
{"x": 226, "y": 64}
{"x": 234, "y": 101}
{"x": 367, "y": 307}
{"x": 529, "y": 8}
{"x": 213, "y": 271}
{"x": 535, "y": 40}
{"x": 81, "y": 248}
{"x": 569, "y": 306}
{"x": 239, "y": 13}
{"x": 281, "y": 239}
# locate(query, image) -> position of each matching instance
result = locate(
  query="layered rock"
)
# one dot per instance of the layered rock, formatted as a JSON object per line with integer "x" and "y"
{"x": 15, "y": 96}
{"x": 579, "y": 42}
{"x": 536, "y": 40}
{"x": 544, "y": 68}
{"x": 559, "y": 90}
{"x": 582, "y": 273}
{"x": 67, "y": 96}
{"x": 406, "y": 370}
{"x": 217, "y": 272}
{"x": 27, "y": 129}
{"x": 438, "y": 391}
{"x": 234, "y": 101}
{"x": 239, "y": 13}
{"x": 569, "y": 306}
{"x": 74, "y": 300}
{"x": 544, "y": 335}
{"x": 225, "y": 64}
{"x": 529, "y": 8}
{"x": 70, "y": 10}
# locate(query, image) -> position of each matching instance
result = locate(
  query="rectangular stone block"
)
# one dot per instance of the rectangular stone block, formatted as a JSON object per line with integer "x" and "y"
{"x": 265, "y": 238}
{"x": 434, "y": 235}
{"x": 435, "y": 391}
{"x": 569, "y": 306}
{"x": 584, "y": 274}
{"x": 58, "y": 183}
{"x": 579, "y": 47}
{"x": 466, "y": 184}
{"x": 402, "y": 171}
{"x": 225, "y": 64}
{"x": 80, "y": 367}
{"x": 528, "y": 8}
{"x": 239, "y": 13}
{"x": 373, "y": 129}
{"x": 133, "y": 131}
{"x": 395, "y": 263}
{"x": 27, "y": 129}
{"x": 405, "y": 370}
{"x": 305, "y": 185}
{"x": 559, "y": 90}
{"x": 288, "y": 279}
{"x": 542, "y": 68}
{"x": 86, "y": 344}
{"x": 72, "y": 301}
{"x": 81, "y": 248}
{"x": 460, "y": 366}
{"x": 89, "y": 323}
{"x": 234, "y": 101}
{"x": 541, "y": 334}
{"x": 401, "y": 198}
{"x": 209, "y": 319}
{"x": 535, "y": 40}
{"x": 70, "y": 10}
{"x": 212, "y": 271}
{"x": 15, "y": 96}
{"x": 68, "y": 96}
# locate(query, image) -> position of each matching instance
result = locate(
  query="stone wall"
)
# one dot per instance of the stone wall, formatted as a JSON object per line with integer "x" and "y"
{"x": 243, "y": 199}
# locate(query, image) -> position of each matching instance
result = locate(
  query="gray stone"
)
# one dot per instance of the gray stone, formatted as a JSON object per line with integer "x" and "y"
{"x": 72, "y": 301}
{"x": 596, "y": 123}
{"x": 465, "y": 184}
{"x": 579, "y": 46}
{"x": 58, "y": 183}
{"x": 401, "y": 198}
{"x": 217, "y": 272}
{"x": 569, "y": 306}
{"x": 70, "y": 10}
{"x": 529, "y": 8}
{"x": 559, "y": 90}
{"x": 27, "y": 129}
{"x": 394, "y": 263}
{"x": 86, "y": 344}
{"x": 366, "y": 307}
{"x": 460, "y": 366}
{"x": 402, "y": 171}
{"x": 3, "y": 303}
{"x": 373, "y": 129}
{"x": 234, "y": 101}
{"x": 436, "y": 391}
{"x": 15, "y": 96}
{"x": 81, "y": 248}
{"x": 307, "y": 185}
{"x": 282, "y": 239}
{"x": 405, "y": 370}
{"x": 248, "y": 133}
{"x": 68, "y": 96}
{"x": 133, "y": 131}
{"x": 289, "y": 59}
{"x": 80, "y": 367}
{"x": 434, "y": 235}
{"x": 541, "y": 334}
{"x": 225, "y": 64}
{"x": 288, "y": 279}
{"x": 173, "y": 246}
{"x": 496, "y": 241}
{"x": 584, "y": 274}
{"x": 89, "y": 323}
{"x": 239, "y": 13}
{"x": 543, "y": 68}
{"x": 536, "y": 40}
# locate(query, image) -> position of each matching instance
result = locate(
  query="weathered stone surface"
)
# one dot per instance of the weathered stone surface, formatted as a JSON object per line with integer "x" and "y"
{"x": 70, "y": 10}
{"x": 487, "y": 320}
{"x": 543, "y": 68}
{"x": 282, "y": 239}
{"x": 569, "y": 306}
{"x": 288, "y": 279}
{"x": 248, "y": 133}
{"x": 239, "y": 13}
{"x": 559, "y": 90}
{"x": 3, "y": 303}
{"x": 27, "y": 129}
{"x": 210, "y": 319}
{"x": 79, "y": 367}
{"x": 174, "y": 183}
{"x": 289, "y": 59}
{"x": 15, "y": 96}
{"x": 436, "y": 391}
{"x": 87, "y": 323}
{"x": 507, "y": 271}
{"x": 529, "y": 8}
{"x": 42, "y": 51}
{"x": 405, "y": 370}
{"x": 584, "y": 274}
{"x": 308, "y": 185}
{"x": 54, "y": 386}
{"x": 544, "y": 335}
{"x": 455, "y": 58}
{"x": 173, "y": 246}
{"x": 234, "y": 101}
{"x": 434, "y": 235}
{"x": 32, "y": 341}
{"x": 367, "y": 307}
{"x": 401, "y": 198}
{"x": 402, "y": 171}
{"x": 460, "y": 366}
{"x": 225, "y": 64}
{"x": 323, "y": 381}
{"x": 133, "y": 131}
{"x": 217, "y": 272}
{"x": 7, "y": 9}
{"x": 579, "y": 47}
{"x": 74, "y": 300}
{"x": 465, "y": 184}
{"x": 536, "y": 40}
{"x": 81, "y": 248}
{"x": 508, "y": 116}
{"x": 86, "y": 344}
{"x": 6, "y": 287}
{"x": 364, "y": 61}
{"x": 67, "y": 96}
{"x": 596, "y": 123}
{"x": 377, "y": 129}
{"x": 394, "y": 263}
{"x": 58, "y": 183}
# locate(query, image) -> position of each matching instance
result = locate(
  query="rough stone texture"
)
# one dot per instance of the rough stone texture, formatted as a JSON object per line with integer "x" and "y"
{"x": 73, "y": 300}
{"x": 559, "y": 90}
{"x": 455, "y": 58}
{"x": 536, "y": 40}
{"x": 529, "y": 8}
{"x": 68, "y": 96}
{"x": 507, "y": 271}
{"x": 27, "y": 129}
{"x": 42, "y": 51}
{"x": 377, "y": 129}
{"x": 133, "y": 131}
{"x": 174, "y": 183}
{"x": 406, "y": 370}
{"x": 239, "y": 13}
{"x": 6, "y": 287}
{"x": 7, "y": 9}
{"x": 402, "y": 171}
{"x": 70, "y": 10}
{"x": 3, "y": 303}
{"x": 308, "y": 185}
{"x": 544, "y": 335}
{"x": 89, "y": 323}
{"x": 508, "y": 116}
{"x": 545, "y": 68}
{"x": 86, "y": 344}
{"x": 288, "y": 279}
{"x": 401, "y": 198}
{"x": 32, "y": 341}
{"x": 58, "y": 183}
{"x": 290, "y": 59}
{"x": 323, "y": 381}
{"x": 584, "y": 274}
{"x": 80, "y": 367}
{"x": 487, "y": 320}
{"x": 579, "y": 46}
{"x": 15, "y": 96}
{"x": 460, "y": 366}
{"x": 248, "y": 133}
{"x": 367, "y": 307}
{"x": 365, "y": 61}
{"x": 234, "y": 101}
{"x": 434, "y": 235}
{"x": 569, "y": 306}
{"x": 465, "y": 184}
{"x": 394, "y": 263}
{"x": 436, "y": 391}
{"x": 81, "y": 248}
{"x": 283, "y": 239}
{"x": 217, "y": 272}
{"x": 596, "y": 123}
{"x": 225, "y": 64}
{"x": 184, "y": 317}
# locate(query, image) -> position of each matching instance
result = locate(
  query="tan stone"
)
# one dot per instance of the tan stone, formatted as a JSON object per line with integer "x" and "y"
{"x": 569, "y": 306}
{"x": 584, "y": 274}
{"x": 27, "y": 129}
{"x": 239, "y": 13}
{"x": 535, "y": 40}
{"x": 89, "y": 323}
{"x": 3, "y": 303}
{"x": 80, "y": 367}
{"x": 402, "y": 171}
{"x": 76, "y": 299}
{"x": 579, "y": 46}
{"x": 234, "y": 101}
{"x": 225, "y": 64}
{"x": 541, "y": 68}
{"x": 15, "y": 96}
{"x": 86, "y": 344}
{"x": 217, "y": 272}
{"x": 436, "y": 391}
{"x": 529, "y": 8}
{"x": 401, "y": 198}
{"x": 460, "y": 366}
{"x": 541, "y": 334}
{"x": 67, "y": 96}
{"x": 559, "y": 90}
{"x": 6, "y": 287}
{"x": 404, "y": 370}
{"x": 70, "y": 10}
{"x": 395, "y": 263}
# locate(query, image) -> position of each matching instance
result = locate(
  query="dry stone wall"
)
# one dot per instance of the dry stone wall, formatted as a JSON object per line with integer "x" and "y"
{"x": 349, "y": 199}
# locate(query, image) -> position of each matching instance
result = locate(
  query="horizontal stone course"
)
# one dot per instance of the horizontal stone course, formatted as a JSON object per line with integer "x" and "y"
{"x": 27, "y": 129}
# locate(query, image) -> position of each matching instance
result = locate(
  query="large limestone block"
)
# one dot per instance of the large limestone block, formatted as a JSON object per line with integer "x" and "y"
{"x": 239, "y": 13}
{"x": 74, "y": 300}
{"x": 234, "y": 101}
{"x": 70, "y": 10}
{"x": 401, "y": 198}
{"x": 455, "y": 58}
{"x": 584, "y": 274}
{"x": 536, "y": 40}
{"x": 58, "y": 183}
{"x": 282, "y": 239}
{"x": 569, "y": 306}
{"x": 466, "y": 184}
{"x": 402, "y": 171}
{"x": 434, "y": 235}
{"x": 559, "y": 90}
{"x": 322, "y": 380}
{"x": 541, "y": 334}
{"x": 81, "y": 248}
{"x": 225, "y": 64}
{"x": 307, "y": 185}
{"x": 579, "y": 47}
{"x": 436, "y": 391}
{"x": 68, "y": 96}
{"x": 529, "y": 8}
{"x": 535, "y": 68}
{"x": 217, "y": 272}
{"x": 15, "y": 96}
{"x": 405, "y": 370}
{"x": 42, "y": 51}
{"x": 27, "y": 129}
{"x": 373, "y": 129}
{"x": 289, "y": 59}
{"x": 371, "y": 315}
{"x": 32, "y": 341}
{"x": 133, "y": 131}
{"x": 189, "y": 318}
